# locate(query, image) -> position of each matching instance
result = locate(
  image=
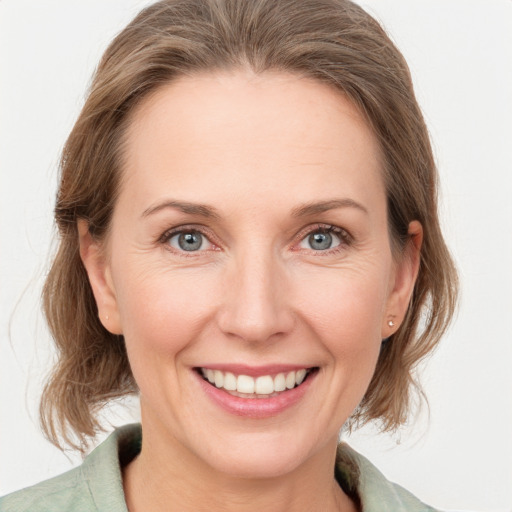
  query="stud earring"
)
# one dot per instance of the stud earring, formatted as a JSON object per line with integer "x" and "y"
{"x": 391, "y": 323}
{"x": 106, "y": 317}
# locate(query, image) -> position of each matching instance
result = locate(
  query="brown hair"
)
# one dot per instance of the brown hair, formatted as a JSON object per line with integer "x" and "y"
{"x": 333, "y": 41}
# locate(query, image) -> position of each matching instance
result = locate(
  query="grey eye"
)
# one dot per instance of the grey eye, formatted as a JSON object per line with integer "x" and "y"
{"x": 320, "y": 241}
{"x": 188, "y": 241}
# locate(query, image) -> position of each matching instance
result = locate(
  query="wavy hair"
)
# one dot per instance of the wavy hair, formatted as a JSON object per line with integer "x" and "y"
{"x": 332, "y": 41}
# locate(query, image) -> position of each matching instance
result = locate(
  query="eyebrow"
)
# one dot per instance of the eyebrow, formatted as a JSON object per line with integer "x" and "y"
{"x": 210, "y": 212}
{"x": 309, "y": 209}
{"x": 202, "y": 210}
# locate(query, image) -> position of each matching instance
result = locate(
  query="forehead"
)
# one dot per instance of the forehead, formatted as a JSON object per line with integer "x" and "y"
{"x": 242, "y": 133}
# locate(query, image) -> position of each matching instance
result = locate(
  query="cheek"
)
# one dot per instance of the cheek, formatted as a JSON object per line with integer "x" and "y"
{"x": 344, "y": 308}
{"x": 162, "y": 311}
{"x": 340, "y": 301}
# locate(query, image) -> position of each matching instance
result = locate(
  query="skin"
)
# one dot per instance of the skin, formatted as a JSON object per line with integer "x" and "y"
{"x": 256, "y": 148}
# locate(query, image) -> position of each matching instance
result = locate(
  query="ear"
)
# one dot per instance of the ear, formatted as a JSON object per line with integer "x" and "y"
{"x": 93, "y": 257}
{"x": 404, "y": 278}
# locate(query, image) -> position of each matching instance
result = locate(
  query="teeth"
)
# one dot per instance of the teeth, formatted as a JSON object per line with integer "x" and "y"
{"x": 279, "y": 382}
{"x": 299, "y": 376}
{"x": 230, "y": 382}
{"x": 262, "y": 386}
{"x": 245, "y": 384}
{"x": 219, "y": 378}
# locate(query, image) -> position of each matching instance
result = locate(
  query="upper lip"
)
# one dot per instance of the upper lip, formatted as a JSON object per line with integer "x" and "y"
{"x": 255, "y": 371}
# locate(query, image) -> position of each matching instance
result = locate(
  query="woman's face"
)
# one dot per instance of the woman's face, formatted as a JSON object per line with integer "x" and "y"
{"x": 249, "y": 244}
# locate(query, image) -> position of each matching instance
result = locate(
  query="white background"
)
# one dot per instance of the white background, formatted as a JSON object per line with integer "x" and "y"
{"x": 460, "y": 54}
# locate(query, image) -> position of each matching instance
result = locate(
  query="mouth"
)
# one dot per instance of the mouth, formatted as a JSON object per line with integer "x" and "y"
{"x": 254, "y": 387}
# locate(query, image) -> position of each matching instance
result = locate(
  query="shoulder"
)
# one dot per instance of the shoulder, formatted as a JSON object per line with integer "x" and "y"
{"x": 376, "y": 493}
{"x": 95, "y": 485}
{"x": 64, "y": 492}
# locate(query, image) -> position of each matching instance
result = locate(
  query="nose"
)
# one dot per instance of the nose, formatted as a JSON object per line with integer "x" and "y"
{"x": 256, "y": 306}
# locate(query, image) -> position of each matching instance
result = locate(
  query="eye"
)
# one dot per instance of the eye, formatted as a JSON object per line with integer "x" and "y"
{"x": 189, "y": 241}
{"x": 323, "y": 239}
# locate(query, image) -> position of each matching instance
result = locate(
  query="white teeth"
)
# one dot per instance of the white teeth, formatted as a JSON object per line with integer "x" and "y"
{"x": 279, "y": 382}
{"x": 290, "y": 380}
{"x": 219, "y": 378}
{"x": 229, "y": 382}
{"x": 245, "y": 384}
{"x": 299, "y": 376}
{"x": 262, "y": 386}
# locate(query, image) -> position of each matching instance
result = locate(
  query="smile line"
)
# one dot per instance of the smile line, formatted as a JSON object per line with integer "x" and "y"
{"x": 263, "y": 386}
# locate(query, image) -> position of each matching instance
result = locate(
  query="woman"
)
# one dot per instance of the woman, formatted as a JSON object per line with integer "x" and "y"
{"x": 249, "y": 239}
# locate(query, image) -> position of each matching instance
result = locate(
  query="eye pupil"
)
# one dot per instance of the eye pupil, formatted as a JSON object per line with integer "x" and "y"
{"x": 190, "y": 241}
{"x": 320, "y": 241}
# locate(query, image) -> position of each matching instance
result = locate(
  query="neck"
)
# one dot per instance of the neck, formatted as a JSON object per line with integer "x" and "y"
{"x": 167, "y": 477}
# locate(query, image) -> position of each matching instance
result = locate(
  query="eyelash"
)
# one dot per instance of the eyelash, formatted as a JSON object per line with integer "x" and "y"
{"x": 345, "y": 238}
{"x": 166, "y": 237}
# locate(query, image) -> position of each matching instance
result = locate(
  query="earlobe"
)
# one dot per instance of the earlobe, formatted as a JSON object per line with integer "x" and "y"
{"x": 405, "y": 275}
{"x": 100, "y": 279}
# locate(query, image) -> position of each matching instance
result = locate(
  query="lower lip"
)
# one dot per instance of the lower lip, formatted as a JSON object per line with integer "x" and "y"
{"x": 256, "y": 407}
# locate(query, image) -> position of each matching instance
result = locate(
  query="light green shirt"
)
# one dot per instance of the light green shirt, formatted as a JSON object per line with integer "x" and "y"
{"x": 96, "y": 485}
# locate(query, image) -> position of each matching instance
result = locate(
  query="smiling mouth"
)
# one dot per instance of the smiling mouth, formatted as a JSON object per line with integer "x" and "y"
{"x": 263, "y": 386}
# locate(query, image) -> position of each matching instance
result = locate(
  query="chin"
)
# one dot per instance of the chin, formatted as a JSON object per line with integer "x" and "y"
{"x": 258, "y": 464}
{"x": 261, "y": 456}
